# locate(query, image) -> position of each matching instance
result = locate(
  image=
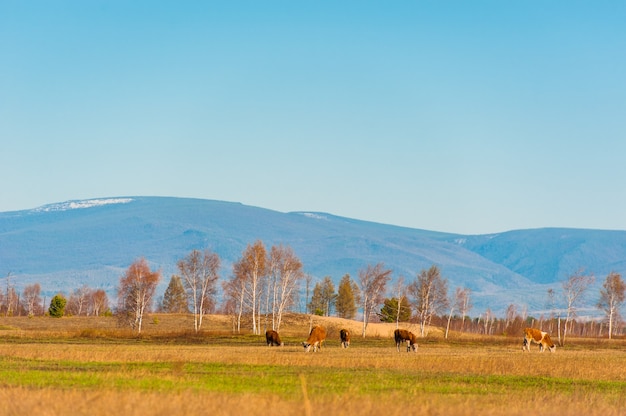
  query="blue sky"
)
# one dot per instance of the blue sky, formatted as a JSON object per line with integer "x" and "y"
{"x": 461, "y": 116}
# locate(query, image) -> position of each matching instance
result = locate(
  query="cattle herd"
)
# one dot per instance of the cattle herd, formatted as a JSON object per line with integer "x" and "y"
{"x": 317, "y": 336}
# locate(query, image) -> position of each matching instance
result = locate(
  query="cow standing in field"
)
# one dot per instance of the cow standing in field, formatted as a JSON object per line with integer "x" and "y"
{"x": 345, "y": 338}
{"x": 538, "y": 337}
{"x": 316, "y": 338}
{"x": 402, "y": 335}
{"x": 273, "y": 338}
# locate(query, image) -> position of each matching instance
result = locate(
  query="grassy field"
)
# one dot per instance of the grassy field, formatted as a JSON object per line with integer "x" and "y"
{"x": 90, "y": 366}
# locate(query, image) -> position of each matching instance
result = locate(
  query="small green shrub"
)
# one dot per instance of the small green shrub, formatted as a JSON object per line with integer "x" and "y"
{"x": 57, "y": 306}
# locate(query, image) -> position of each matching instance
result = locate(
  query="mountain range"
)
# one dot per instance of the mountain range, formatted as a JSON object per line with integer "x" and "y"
{"x": 65, "y": 245}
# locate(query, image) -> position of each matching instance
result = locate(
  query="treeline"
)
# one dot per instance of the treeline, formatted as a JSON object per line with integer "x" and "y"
{"x": 83, "y": 301}
{"x": 265, "y": 283}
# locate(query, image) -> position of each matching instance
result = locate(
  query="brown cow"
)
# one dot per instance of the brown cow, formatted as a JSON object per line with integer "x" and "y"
{"x": 273, "y": 338}
{"x": 345, "y": 338}
{"x": 316, "y": 338}
{"x": 538, "y": 337}
{"x": 402, "y": 335}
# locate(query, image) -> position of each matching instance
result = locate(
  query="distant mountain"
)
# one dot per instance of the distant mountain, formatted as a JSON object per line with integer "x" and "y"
{"x": 65, "y": 245}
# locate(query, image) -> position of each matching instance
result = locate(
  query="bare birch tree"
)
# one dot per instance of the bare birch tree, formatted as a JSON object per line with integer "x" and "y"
{"x": 234, "y": 294}
{"x": 286, "y": 274}
{"x": 373, "y": 283}
{"x": 199, "y": 271}
{"x": 77, "y": 303}
{"x": 573, "y": 290}
{"x": 136, "y": 291}
{"x": 251, "y": 271}
{"x": 399, "y": 290}
{"x": 10, "y": 298}
{"x": 430, "y": 295}
{"x": 31, "y": 299}
{"x": 612, "y": 298}
{"x": 99, "y": 303}
{"x": 458, "y": 303}
{"x": 464, "y": 304}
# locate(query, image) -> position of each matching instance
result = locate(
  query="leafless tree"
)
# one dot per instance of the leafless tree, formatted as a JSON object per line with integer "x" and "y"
{"x": 78, "y": 302}
{"x": 135, "y": 292}
{"x": 551, "y": 305}
{"x": 286, "y": 274}
{"x": 251, "y": 271}
{"x": 10, "y": 297}
{"x": 31, "y": 299}
{"x": 308, "y": 281}
{"x": 99, "y": 302}
{"x": 612, "y": 298}
{"x": 234, "y": 298}
{"x": 430, "y": 295}
{"x": 573, "y": 289}
{"x": 511, "y": 312}
{"x": 399, "y": 292}
{"x": 199, "y": 271}
{"x": 460, "y": 303}
{"x": 373, "y": 283}
{"x": 465, "y": 304}
{"x": 488, "y": 320}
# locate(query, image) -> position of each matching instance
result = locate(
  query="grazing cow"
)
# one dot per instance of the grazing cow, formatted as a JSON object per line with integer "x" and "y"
{"x": 316, "y": 338}
{"x": 345, "y": 338}
{"x": 402, "y": 335}
{"x": 272, "y": 338}
{"x": 538, "y": 337}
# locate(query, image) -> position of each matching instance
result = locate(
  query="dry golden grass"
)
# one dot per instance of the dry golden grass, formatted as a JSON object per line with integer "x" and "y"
{"x": 54, "y": 402}
{"x": 468, "y": 375}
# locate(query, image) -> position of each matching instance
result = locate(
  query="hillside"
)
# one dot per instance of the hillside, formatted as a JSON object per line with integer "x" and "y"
{"x": 65, "y": 245}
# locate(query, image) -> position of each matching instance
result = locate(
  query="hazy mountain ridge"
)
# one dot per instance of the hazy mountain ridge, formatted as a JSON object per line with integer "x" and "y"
{"x": 67, "y": 244}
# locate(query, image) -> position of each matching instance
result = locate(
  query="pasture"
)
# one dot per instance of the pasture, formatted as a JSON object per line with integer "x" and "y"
{"x": 89, "y": 366}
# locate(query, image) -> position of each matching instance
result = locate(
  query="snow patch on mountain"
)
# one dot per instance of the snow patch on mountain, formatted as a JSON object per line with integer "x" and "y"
{"x": 313, "y": 215}
{"x": 87, "y": 203}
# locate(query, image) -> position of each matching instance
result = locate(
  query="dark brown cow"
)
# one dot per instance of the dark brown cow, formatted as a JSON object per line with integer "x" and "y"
{"x": 345, "y": 338}
{"x": 402, "y": 335}
{"x": 316, "y": 338}
{"x": 273, "y": 338}
{"x": 538, "y": 337}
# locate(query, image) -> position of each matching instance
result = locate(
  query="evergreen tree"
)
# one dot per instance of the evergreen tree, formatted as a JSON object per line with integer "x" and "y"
{"x": 347, "y": 298}
{"x": 389, "y": 311}
{"x": 175, "y": 297}
{"x": 57, "y": 306}
{"x": 323, "y": 297}
{"x": 316, "y": 306}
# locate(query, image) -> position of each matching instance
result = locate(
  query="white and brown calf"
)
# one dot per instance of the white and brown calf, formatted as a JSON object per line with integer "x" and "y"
{"x": 315, "y": 339}
{"x": 538, "y": 337}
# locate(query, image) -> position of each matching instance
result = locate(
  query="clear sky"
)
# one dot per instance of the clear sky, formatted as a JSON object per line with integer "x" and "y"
{"x": 462, "y": 116}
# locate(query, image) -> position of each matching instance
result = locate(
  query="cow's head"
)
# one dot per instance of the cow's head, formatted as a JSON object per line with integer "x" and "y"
{"x": 306, "y": 346}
